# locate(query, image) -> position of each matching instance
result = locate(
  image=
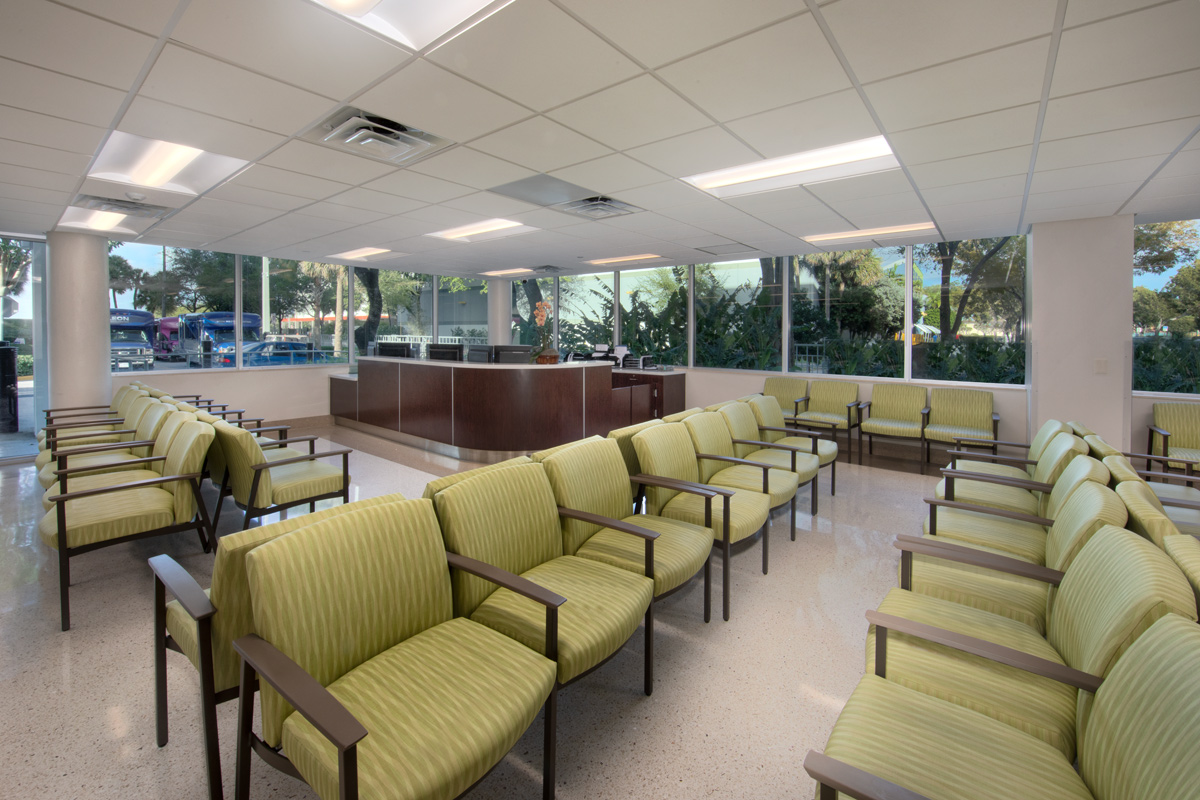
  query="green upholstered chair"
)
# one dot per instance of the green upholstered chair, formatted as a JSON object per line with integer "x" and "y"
{"x": 832, "y": 405}
{"x": 388, "y": 694}
{"x": 130, "y": 419}
{"x": 680, "y": 416}
{"x": 89, "y": 519}
{"x": 110, "y": 457}
{"x": 591, "y": 478}
{"x": 1080, "y": 430}
{"x": 671, "y": 475}
{"x": 773, "y": 428}
{"x": 624, "y": 439}
{"x": 1137, "y": 741}
{"x": 203, "y": 623}
{"x": 745, "y": 436}
{"x": 791, "y": 393}
{"x": 1029, "y": 496}
{"x": 261, "y": 486}
{"x": 436, "y": 485}
{"x": 1013, "y": 587}
{"x": 509, "y": 518}
{"x": 1177, "y": 502}
{"x": 542, "y": 455}
{"x": 720, "y": 467}
{"x": 1185, "y": 552}
{"x": 895, "y": 411}
{"x": 715, "y": 406}
{"x": 1146, "y": 517}
{"x": 1014, "y": 467}
{"x": 1176, "y": 432}
{"x": 1117, "y": 587}
{"x": 94, "y": 420}
{"x": 960, "y": 414}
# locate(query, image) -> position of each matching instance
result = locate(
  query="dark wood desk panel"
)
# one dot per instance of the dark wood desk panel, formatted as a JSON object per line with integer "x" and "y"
{"x": 425, "y": 400}
{"x": 597, "y": 401}
{"x": 379, "y": 400}
{"x": 519, "y": 409}
{"x": 343, "y": 398}
{"x": 620, "y": 417}
{"x": 667, "y": 389}
{"x": 641, "y": 404}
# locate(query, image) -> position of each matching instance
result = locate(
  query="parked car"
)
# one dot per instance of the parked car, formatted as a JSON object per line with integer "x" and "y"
{"x": 266, "y": 354}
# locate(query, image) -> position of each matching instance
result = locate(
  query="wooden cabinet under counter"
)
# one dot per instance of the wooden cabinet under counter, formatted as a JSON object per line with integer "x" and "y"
{"x": 667, "y": 389}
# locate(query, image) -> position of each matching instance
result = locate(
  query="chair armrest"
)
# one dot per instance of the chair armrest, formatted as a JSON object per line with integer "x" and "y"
{"x": 65, "y": 441}
{"x": 182, "y": 586}
{"x": 732, "y": 460}
{"x": 301, "y": 459}
{"x": 303, "y": 691}
{"x": 791, "y": 448}
{"x": 980, "y": 647}
{"x": 978, "y": 558}
{"x": 647, "y": 535}
{"x": 121, "y": 487}
{"x": 991, "y": 511}
{"x": 1167, "y": 477}
{"x": 682, "y": 486}
{"x": 227, "y": 411}
{"x": 518, "y": 585}
{"x": 801, "y": 399}
{"x": 989, "y": 442}
{"x": 1172, "y": 459}
{"x": 852, "y": 781}
{"x": 104, "y": 408}
{"x": 99, "y": 467}
{"x": 1173, "y": 503}
{"x": 995, "y": 417}
{"x": 1158, "y": 430}
{"x": 1000, "y": 480}
{"x": 827, "y": 425}
{"x": 294, "y": 440}
{"x": 99, "y": 448}
{"x": 84, "y": 423}
{"x": 956, "y": 454}
{"x": 258, "y": 430}
{"x": 90, "y": 417}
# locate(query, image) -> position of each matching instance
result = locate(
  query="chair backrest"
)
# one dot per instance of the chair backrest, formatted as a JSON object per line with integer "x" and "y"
{"x": 336, "y": 593}
{"x": 787, "y": 390}
{"x": 1081, "y": 430}
{"x": 242, "y": 453}
{"x": 1122, "y": 470}
{"x": 718, "y": 406}
{"x": 1184, "y": 550}
{"x": 680, "y": 416}
{"x": 435, "y": 486}
{"x": 624, "y": 439}
{"x": 591, "y": 478}
{"x": 739, "y": 419}
{"x": 1082, "y": 469}
{"x": 710, "y": 435}
{"x": 898, "y": 401}
{"x": 1100, "y": 448}
{"x": 666, "y": 451}
{"x": 768, "y": 413}
{"x": 505, "y": 517}
{"x": 1056, "y": 458}
{"x": 1140, "y": 739}
{"x": 1050, "y": 428}
{"x": 128, "y": 400}
{"x": 1146, "y": 516}
{"x": 133, "y": 416}
{"x": 149, "y": 426}
{"x": 831, "y": 397}
{"x": 186, "y": 455}
{"x": 541, "y": 455}
{"x": 215, "y": 465}
{"x": 166, "y": 434}
{"x": 963, "y": 408}
{"x": 1181, "y": 420}
{"x": 1087, "y": 510}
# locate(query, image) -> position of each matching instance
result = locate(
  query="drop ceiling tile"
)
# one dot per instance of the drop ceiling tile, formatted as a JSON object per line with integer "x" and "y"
{"x": 1164, "y": 209}
{"x": 35, "y": 157}
{"x": 1011, "y": 76}
{"x": 471, "y": 168}
{"x": 779, "y": 201}
{"x": 100, "y": 51}
{"x": 39, "y": 129}
{"x": 1141, "y": 103}
{"x": 8, "y": 204}
{"x": 325, "y": 162}
{"x": 541, "y": 145}
{"x": 155, "y": 119}
{"x": 416, "y": 186}
{"x": 981, "y": 229}
{"x": 636, "y": 112}
{"x": 545, "y": 218}
{"x": 415, "y": 245}
{"x": 610, "y": 174}
{"x": 23, "y": 86}
{"x": 1007, "y": 208}
{"x": 1156, "y": 139}
{"x": 1146, "y": 44}
{"x": 1056, "y": 214}
{"x": 297, "y": 227}
{"x": 868, "y": 31}
{"x": 372, "y": 200}
{"x": 259, "y": 176}
{"x": 980, "y": 167}
{"x": 829, "y": 120}
{"x": 667, "y": 195}
{"x": 786, "y": 63}
{"x": 1186, "y": 163}
{"x": 37, "y": 178}
{"x": 995, "y": 188}
{"x": 1171, "y": 187}
{"x": 568, "y": 60}
{"x": 880, "y": 183}
{"x": 172, "y": 237}
{"x": 28, "y": 224}
{"x": 489, "y": 205}
{"x": 258, "y": 197}
{"x": 35, "y": 195}
{"x": 997, "y": 130}
{"x": 442, "y": 217}
{"x": 696, "y": 152}
{"x": 1128, "y": 170}
{"x": 387, "y": 232}
{"x": 1113, "y": 194}
{"x": 655, "y": 225}
{"x": 344, "y": 213}
{"x": 1080, "y": 12}
{"x": 428, "y": 97}
{"x": 203, "y": 84}
{"x": 226, "y": 213}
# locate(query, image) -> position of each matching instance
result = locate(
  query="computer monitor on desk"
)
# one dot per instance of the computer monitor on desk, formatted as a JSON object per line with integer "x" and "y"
{"x": 445, "y": 352}
{"x": 479, "y": 353}
{"x": 512, "y": 353}
{"x": 394, "y": 349}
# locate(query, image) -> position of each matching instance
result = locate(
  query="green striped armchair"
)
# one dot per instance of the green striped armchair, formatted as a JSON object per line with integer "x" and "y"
{"x": 956, "y": 414}
{"x": 1176, "y": 432}
{"x": 832, "y": 405}
{"x": 792, "y": 393}
{"x": 895, "y": 411}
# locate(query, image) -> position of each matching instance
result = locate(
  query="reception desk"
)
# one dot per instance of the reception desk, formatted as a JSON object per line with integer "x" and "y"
{"x": 476, "y": 412}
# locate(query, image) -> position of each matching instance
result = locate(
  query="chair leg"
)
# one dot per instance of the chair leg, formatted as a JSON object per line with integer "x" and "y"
{"x": 813, "y": 490}
{"x": 244, "y": 732}
{"x": 708, "y": 587}
{"x": 64, "y": 584}
{"x": 246, "y": 519}
{"x": 794, "y": 515}
{"x": 549, "y": 747}
{"x": 766, "y": 537}
{"x": 833, "y": 478}
{"x": 649, "y": 667}
{"x": 859, "y": 444}
{"x": 208, "y": 712}
{"x": 160, "y": 662}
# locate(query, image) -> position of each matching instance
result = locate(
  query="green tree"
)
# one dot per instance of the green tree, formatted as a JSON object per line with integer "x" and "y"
{"x": 1159, "y": 246}
{"x": 122, "y": 277}
{"x": 1184, "y": 289}
{"x": 368, "y": 279}
{"x": 1150, "y": 309}
{"x": 15, "y": 258}
{"x": 989, "y": 273}
{"x": 401, "y": 291}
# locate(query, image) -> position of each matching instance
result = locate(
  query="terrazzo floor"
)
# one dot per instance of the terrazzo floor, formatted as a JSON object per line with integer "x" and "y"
{"x": 736, "y": 704}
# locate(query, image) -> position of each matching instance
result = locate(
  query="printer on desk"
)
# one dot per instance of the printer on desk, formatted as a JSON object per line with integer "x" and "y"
{"x": 638, "y": 362}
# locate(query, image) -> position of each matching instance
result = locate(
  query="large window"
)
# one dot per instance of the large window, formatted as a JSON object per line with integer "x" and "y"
{"x": 738, "y": 307}
{"x": 22, "y": 263}
{"x": 300, "y": 308}
{"x": 1166, "y": 307}
{"x": 585, "y": 312}
{"x": 654, "y": 310}
{"x": 526, "y": 295}
{"x": 462, "y": 311}
{"x": 405, "y": 312}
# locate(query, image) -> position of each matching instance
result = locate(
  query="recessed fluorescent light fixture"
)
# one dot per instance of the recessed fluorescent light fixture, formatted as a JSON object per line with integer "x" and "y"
{"x": 482, "y": 231}
{"x": 862, "y": 157}
{"x": 93, "y": 220}
{"x": 501, "y": 272}
{"x": 623, "y": 259}
{"x": 361, "y": 253}
{"x": 139, "y": 161}
{"x": 870, "y": 233}
{"x": 416, "y": 24}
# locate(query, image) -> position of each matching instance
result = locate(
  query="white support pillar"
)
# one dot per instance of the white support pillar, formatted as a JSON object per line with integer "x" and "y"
{"x": 77, "y": 307}
{"x": 1080, "y": 352}
{"x": 499, "y": 311}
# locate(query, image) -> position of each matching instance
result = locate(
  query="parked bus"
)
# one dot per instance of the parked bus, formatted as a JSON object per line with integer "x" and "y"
{"x": 166, "y": 340}
{"x": 130, "y": 333}
{"x": 194, "y": 338}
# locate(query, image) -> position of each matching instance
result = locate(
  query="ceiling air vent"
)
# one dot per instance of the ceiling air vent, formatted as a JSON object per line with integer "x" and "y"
{"x": 549, "y": 269}
{"x": 353, "y": 130}
{"x": 127, "y": 207}
{"x": 598, "y": 207}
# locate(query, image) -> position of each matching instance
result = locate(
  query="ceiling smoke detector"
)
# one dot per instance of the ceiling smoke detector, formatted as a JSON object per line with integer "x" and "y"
{"x": 126, "y": 208}
{"x": 353, "y": 130}
{"x": 598, "y": 207}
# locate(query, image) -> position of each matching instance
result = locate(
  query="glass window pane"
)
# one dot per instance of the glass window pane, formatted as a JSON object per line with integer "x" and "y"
{"x": 526, "y": 294}
{"x": 406, "y": 306}
{"x": 969, "y": 310}
{"x": 1166, "y": 306}
{"x": 22, "y": 264}
{"x": 137, "y": 280}
{"x": 585, "y": 314}
{"x": 654, "y": 313}
{"x": 739, "y": 307}
{"x": 462, "y": 311}
{"x": 198, "y": 289}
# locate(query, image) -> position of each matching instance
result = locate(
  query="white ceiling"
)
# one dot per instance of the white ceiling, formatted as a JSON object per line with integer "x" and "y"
{"x": 1002, "y": 114}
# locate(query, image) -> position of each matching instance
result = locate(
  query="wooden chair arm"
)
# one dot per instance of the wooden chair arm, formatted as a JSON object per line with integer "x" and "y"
{"x": 182, "y": 586}
{"x": 681, "y": 486}
{"x": 852, "y": 781}
{"x": 1158, "y": 430}
{"x": 995, "y": 512}
{"x": 608, "y": 522}
{"x": 62, "y": 426}
{"x": 100, "y": 467}
{"x": 999, "y": 480}
{"x": 121, "y": 487}
{"x": 989, "y": 442}
{"x": 978, "y": 558}
{"x": 98, "y": 448}
{"x": 301, "y": 459}
{"x": 65, "y": 441}
{"x": 957, "y": 454}
{"x": 518, "y": 585}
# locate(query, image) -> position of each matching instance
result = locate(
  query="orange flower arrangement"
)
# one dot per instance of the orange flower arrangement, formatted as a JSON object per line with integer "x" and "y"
{"x": 541, "y": 312}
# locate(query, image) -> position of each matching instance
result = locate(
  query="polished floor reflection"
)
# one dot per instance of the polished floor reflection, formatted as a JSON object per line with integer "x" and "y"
{"x": 736, "y": 704}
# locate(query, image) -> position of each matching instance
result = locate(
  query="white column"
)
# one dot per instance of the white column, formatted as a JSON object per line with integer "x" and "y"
{"x": 77, "y": 309}
{"x": 499, "y": 307}
{"x": 1080, "y": 356}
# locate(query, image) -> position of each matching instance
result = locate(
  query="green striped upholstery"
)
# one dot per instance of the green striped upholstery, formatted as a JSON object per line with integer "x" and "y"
{"x": 541, "y": 455}
{"x": 787, "y": 390}
{"x": 1182, "y": 421}
{"x": 1080, "y": 430}
{"x": 679, "y": 551}
{"x": 241, "y": 454}
{"x": 435, "y": 486}
{"x": 680, "y": 416}
{"x": 895, "y": 410}
{"x": 747, "y": 513}
{"x": 1186, "y": 520}
{"x": 1054, "y": 461}
{"x": 113, "y": 461}
{"x": 781, "y": 482}
{"x": 120, "y": 406}
{"x": 1100, "y": 448}
{"x": 768, "y": 414}
{"x": 505, "y": 517}
{"x": 624, "y": 439}
{"x": 1089, "y": 508}
{"x": 959, "y": 413}
{"x": 186, "y": 455}
{"x": 1145, "y": 513}
{"x": 133, "y": 417}
{"x": 717, "y": 406}
{"x": 942, "y": 751}
{"x": 1185, "y": 552}
{"x": 1037, "y": 447}
{"x": 880, "y": 426}
{"x": 739, "y": 419}
{"x": 114, "y": 407}
{"x": 1140, "y": 740}
{"x": 277, "y": 485}
{"x": 710, "y": 435}
{"x": 827, "y": 401}
{"x": 1121, "y": 468}
{"x": 1021, "y": 599}
{"x": 665, "y": 451}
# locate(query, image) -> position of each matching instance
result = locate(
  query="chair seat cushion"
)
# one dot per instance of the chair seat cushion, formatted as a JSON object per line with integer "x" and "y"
{"x": 1175, "y": 491}
{"x": 45, "y": 456}
{"x": 1187, "y": 520}
{"x": 105, "y": 517}
{"x": 1022, "y": 599}
{"x": 948, "y": 433}
{"x": 1039, "y": 706}
{"x": 679, "y": 551}
{"x": 781, "y": 484}
{"x": 941, "y": 750}
{"x": 98, "y": 481}
{"x": 991, "y": 495}
{"x": 604, "y": 607}
{"x": 293, "y": 482}
{"x": 1023, "y": 540}
{"x": 880, "y": 426}
{"x": 991, "y": 468}
{"x": 442, "y": 708}
{"x": 806, "y": 463}
{"x": 186, "y": 632}
{"x": 827, "y": 449}
{"x": 838, "y": 420}
{"x": 1190, "y": 453}
{"x": 110, "y": 462}
{"x": 747, "y": 513}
